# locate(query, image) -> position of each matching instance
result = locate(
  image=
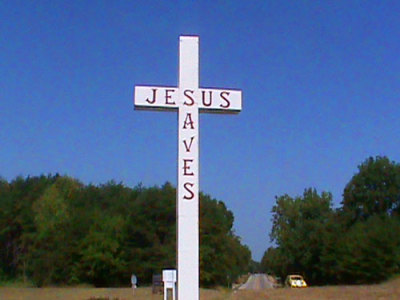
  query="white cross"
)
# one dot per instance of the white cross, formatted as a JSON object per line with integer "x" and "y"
{"x": 188, "y": 99}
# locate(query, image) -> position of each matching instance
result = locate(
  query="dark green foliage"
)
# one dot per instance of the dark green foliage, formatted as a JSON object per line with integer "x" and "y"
{"x": 370, "y": 251}
{"x": 152, "y": 230}
{"x": 55, "y": 230}
{"x": 358, "y": 243}
{"x": 375, "y": 189}
{"x": 274, "y": 262}
{"x": 298, "y": 229}
{"x": 255, "y": 267}
{"x": 49, "y": 253}
{"x": 17, "y": 221}
{"x": 222, "y": 257}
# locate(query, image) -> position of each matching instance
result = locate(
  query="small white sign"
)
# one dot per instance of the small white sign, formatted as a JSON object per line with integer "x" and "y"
{"x": 134, "y": 279}
{"x": 169, "y": 279}
{"x": 169, "y": 276}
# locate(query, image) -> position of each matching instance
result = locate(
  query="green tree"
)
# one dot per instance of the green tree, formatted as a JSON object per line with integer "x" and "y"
{"x": 222, "y": 256}
{"x": 55, "y": 230}
{"x": 17, "y": 220}
{"x": 51, "y": 246}
{"x": 255, "y": 267}
{"x": 334, "y": 230}
{"x": 375, "y": 189}
{"x": 151, "y": 242}
{"x": 299, "y": 225}
{"x": 370, "y": 251}
{"x": 274, "y": 262}
{"x": 50, "y": 217}
{"x": 6, "y": 231}
{"x": 101, "y": 260}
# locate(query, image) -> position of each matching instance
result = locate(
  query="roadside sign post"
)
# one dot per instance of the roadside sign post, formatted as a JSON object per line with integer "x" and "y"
{"x": 134, "y": 283}
{"x": 188, "y": 99}
{"x": 169, "y": 279}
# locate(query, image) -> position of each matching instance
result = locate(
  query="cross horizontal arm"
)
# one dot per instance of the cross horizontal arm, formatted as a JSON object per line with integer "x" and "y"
{"x": 169, "y": 98}
{"x": 156, "y": 98}
{"x": 219, "y": 100}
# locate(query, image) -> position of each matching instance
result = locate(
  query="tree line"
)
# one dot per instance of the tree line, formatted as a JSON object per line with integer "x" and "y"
{"x": 359, "y": 242}
{"x": 57, "y": 230}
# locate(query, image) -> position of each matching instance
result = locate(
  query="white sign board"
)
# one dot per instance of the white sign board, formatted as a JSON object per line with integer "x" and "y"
{"x": 166, "y": 98}
{"x": 169, "y": 279}
{"x": 169, "y": 276}
{"x": 134, "y": 280}
{"x": 188, "y": 99}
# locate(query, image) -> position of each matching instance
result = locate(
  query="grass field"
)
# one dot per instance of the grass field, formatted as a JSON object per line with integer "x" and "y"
{"x": 388, "y": 290}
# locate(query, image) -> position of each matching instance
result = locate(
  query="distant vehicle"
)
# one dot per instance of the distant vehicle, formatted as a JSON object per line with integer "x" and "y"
{"x": 295, "y": 281}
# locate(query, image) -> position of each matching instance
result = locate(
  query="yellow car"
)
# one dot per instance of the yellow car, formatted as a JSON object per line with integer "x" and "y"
{"x": 295, "y": 281}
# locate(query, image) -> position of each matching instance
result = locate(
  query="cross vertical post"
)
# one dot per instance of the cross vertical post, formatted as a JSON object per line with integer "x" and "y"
{"x": 188, "y": 99}
{"x": 188, "y": 172}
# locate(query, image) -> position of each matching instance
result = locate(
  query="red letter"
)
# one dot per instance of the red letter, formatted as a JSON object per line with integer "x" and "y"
{"x": 189, "y": 97}
{"x": 226, "y": 99}
{"x": 191, "y": 196}
{"x": 186, "y": 167}
{"x": 154, "y": 97}
{"x": 190, "y": 145}
{"x": 167, "y": 96}
{"x": 204, "y": 98}
{"x": 188, "y": 121}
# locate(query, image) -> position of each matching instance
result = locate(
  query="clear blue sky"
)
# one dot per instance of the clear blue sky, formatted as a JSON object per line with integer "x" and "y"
{"x": 320, "y": 81}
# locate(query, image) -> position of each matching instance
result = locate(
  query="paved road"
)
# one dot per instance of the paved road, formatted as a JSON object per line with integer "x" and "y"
{"x": 257, "y": 282}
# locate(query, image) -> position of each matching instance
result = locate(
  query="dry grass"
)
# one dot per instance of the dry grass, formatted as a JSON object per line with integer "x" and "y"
{"x": 389, "y": 290}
